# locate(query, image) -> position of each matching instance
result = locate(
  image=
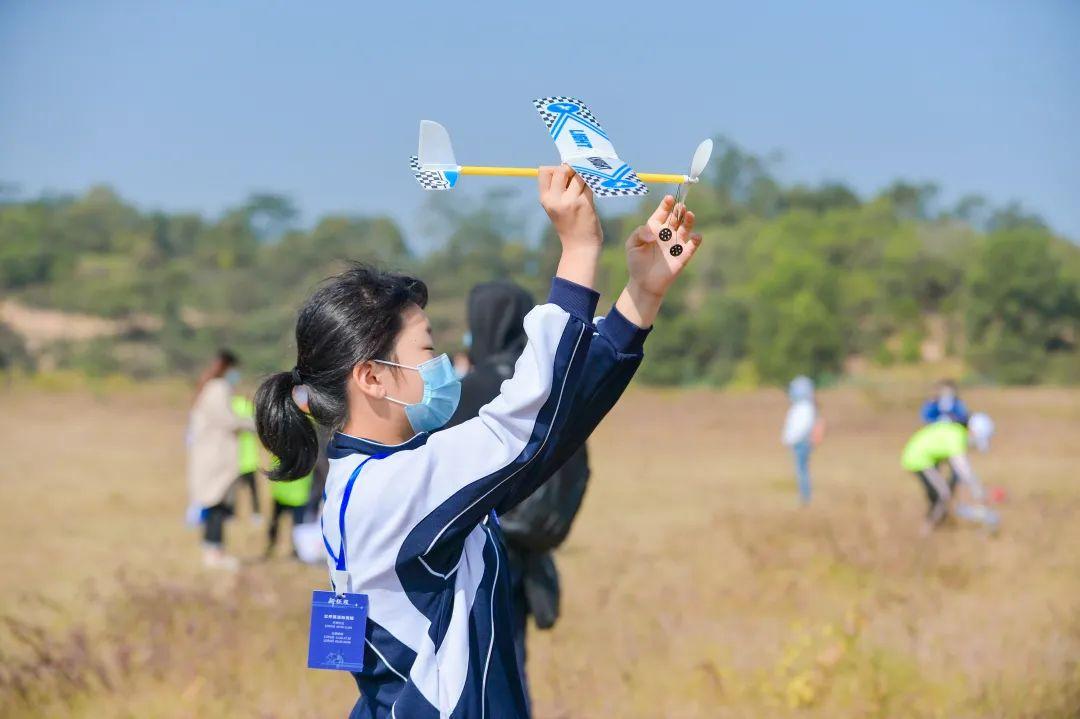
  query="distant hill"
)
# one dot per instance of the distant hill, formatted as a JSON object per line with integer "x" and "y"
{"x": 791, "y": 279}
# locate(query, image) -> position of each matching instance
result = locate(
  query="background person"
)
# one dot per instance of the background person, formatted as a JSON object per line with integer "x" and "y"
{"x": 248, "y": 452}
{"x": 318, "y": 475}
{"x": 307, "y": 535}
{"x": 462, "y": 365}
{"x": 496, "y": 315}
{"x": 213, "y": 456}
{"x": 804, "y": 428}
{"x": 287, "y": 497}
{"x": 945, "y": 404}
{"x": 946, "y": 443}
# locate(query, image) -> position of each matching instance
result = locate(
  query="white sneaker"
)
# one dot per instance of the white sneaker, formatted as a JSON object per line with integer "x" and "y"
{"x": 216, "y": 558}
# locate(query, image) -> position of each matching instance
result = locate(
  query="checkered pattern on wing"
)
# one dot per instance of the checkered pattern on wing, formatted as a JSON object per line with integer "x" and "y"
{"x": 586, "y": 113}
{"x": 549, "y": 118}
{"x": 541, "y": 106}
{"x": 596, "y": 184}
{"x": 427, "y": 180}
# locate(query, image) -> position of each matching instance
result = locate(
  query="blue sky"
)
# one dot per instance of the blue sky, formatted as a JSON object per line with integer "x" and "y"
{"x": 193, "y": 105}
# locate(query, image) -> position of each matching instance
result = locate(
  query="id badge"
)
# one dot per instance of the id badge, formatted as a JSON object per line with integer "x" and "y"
{"x": 338, "y": 622}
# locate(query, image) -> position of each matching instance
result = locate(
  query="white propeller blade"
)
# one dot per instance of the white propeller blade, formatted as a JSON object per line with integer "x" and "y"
{"x": 702, "y": 155}
{"x": 697, "y": 165}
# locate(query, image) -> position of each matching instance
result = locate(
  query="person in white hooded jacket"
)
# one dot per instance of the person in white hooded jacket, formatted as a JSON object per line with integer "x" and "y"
{"x": 803, "y": 430}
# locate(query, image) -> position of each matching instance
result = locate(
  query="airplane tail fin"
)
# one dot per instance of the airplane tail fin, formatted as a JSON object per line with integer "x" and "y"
{"x": 434, "y": 164}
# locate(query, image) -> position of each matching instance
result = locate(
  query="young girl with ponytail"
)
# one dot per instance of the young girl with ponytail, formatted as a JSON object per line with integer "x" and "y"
{"x": 410, "y": 517}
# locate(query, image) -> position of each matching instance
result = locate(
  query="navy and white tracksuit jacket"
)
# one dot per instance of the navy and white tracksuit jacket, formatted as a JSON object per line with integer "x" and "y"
{"x": 419, "y": 540}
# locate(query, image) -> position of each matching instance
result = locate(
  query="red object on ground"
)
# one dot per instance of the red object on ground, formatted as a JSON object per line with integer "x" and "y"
{"x": 998, "y": 495}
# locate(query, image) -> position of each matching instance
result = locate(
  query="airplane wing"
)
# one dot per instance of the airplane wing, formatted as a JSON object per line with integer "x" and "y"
{"x": 585, "y": 146}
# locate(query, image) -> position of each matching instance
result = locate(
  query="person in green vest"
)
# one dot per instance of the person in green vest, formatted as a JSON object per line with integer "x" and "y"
{"x": 292, "y": 497}
{"x": 946, "y": 443}
{"x": 248, "y": 454}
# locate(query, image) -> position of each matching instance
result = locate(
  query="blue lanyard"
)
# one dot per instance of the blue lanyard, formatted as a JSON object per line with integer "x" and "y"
{"x": 339, "y": 558}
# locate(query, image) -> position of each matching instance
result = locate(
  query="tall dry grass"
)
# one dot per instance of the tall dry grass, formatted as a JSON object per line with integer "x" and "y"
{"x": 694, "y": 586}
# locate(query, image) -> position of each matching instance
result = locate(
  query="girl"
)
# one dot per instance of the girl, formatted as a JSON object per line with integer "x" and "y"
{"x": 409, "y": 518}
{"x": 213, "y": 455}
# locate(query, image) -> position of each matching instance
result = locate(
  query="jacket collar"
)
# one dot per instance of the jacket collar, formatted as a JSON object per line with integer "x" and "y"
{"x": 342, "y": 445}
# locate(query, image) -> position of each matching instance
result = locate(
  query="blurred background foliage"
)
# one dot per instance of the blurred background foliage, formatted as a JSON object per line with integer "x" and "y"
{"x": 792, "y": 279}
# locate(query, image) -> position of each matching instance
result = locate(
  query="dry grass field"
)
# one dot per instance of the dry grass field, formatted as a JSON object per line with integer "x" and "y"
{"x": 693, "y": 584}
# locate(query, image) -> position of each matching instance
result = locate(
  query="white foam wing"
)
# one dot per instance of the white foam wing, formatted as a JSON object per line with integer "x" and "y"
{"x": 584, "y": 145}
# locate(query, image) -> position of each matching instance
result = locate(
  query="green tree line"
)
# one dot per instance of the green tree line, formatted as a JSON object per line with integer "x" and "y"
{"x": 792, "y": 278}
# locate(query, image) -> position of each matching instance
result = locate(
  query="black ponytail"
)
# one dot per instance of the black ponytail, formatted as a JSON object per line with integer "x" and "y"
{"x": 353, "y": 317}
{"x": 284, "y": 429}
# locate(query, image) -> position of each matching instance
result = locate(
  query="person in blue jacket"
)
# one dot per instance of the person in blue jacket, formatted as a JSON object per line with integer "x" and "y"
{"x": 410, "y": 512}
{"x": 945, "y": 405}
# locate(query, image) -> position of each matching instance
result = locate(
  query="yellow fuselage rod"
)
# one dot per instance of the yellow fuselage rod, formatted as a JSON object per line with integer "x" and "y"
{"x": 653, "y": 178}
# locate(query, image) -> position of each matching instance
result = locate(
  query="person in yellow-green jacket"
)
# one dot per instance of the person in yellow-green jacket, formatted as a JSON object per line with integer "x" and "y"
{"x": 946, "y": 443}
{"x": 248, "y": 455}
{"x": 292, "y": 497}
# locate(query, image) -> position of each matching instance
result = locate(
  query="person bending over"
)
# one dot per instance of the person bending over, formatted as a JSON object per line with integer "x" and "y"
{"x": 946, "y": 443}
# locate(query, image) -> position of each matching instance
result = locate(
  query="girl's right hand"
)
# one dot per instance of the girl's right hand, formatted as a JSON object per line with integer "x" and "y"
{"x": 568, "y": 201}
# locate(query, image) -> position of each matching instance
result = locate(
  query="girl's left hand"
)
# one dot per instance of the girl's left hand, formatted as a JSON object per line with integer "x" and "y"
{"x": 652, "y": 266}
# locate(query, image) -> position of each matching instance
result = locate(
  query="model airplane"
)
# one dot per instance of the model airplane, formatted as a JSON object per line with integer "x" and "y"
{"x": 582, "y": 143}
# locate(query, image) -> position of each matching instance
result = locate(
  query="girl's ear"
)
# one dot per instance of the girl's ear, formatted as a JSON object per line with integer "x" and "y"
{"x": 367, "y": 378}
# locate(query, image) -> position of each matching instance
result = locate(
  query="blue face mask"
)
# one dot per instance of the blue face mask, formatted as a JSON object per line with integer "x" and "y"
{"x": 442, "y": 390}
{"x": 233, "y": 377}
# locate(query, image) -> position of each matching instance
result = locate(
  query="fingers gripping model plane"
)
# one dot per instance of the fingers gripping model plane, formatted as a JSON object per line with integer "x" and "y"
{"x": 582, "y": 143}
